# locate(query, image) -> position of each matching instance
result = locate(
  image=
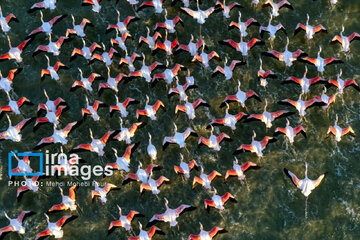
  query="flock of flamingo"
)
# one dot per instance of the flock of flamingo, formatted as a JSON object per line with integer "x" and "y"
{"x": 157, "y": 40}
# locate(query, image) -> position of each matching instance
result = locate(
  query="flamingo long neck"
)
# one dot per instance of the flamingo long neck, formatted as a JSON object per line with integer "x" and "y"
{"x": 120, "y": 211}
{"x": 9, "y": 42}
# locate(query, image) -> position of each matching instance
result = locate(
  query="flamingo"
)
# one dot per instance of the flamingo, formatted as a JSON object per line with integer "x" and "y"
{"x": 91, "y": 110}
{"x": 145, "y": 235}
{"x": 342, "y": 84}
{"x": 95, "y": 4}
{"x": 121, "y": 26}
{"x": 13, "y": 132}
{"x": 290, "y": 132}
{"x": 102, "y": 192}
{"x": 85, "y": 51}
{"x": 4, "y": 21}
{"x": 13, "y": 106}
{"x": 29, "y": 184}
{"x": 169, "y": 24}
{"x": 268, "y": 117}
{"x": 242, "y": 47}
{"x": 227, "y": 8}
{"x": 129, "y": 60}
{"x": 189, "y": 108}
{"x": 52, "y": 70}
{"x": 111, "y": 83}
{"x": 126, "y": 134}
{"x": 51, "y": 117}
{"x": 310, "y": 30}
{"x": 262, "y": 74}
{"x": 78, "y": 29}
{"x": 50, "y": 105}
{"x": 305, "y": 82}
{"x": 217, "y": 201}
{"x": 181, "y": 89}
{"x": 275, "y": 7}
{"x": 206, "y": 235}
{"x": 178, "y": 137}
{"x": 67, "y": 202}
{"x": 228, "y": 69}
{"x": 300, "y": 104}
{"x": 255, "y": 146}
{"x": 229, "y": 120}
{"x": 286, "y": 56}
{"x": 6, "y": 82}
{"x": 242, "y": 26}
{"x": 306, "y": 185}
{"x": 240, "y": 96}
{"x": 325, "y": 98}
{"x": 167, "y": 45}
{"x": 271, "y": 29}
{"x": 319, "y": 62}
{"x": 213, "y": 141}
{"x": 53, "y": 228}
{"x": 122, "y": 163}
{"x": 23, "y": 165}
{"x": 239, "y": 170}
{"x": 120, "y": 40}
{"x": 105, "y": 57}
{"x": 141, "y": 174}
{"x": 185, "y": 168}
{"x": 14, "y": 52}
{"x": 121, "y": 106}
{"x": 205, "y": 180}
{"x": 58, "y": 136}
{"x": 52, "y": 47}
{"x": 46, "y": 4}
{"x": 200, "y": 15}
{"x": 85, "y": 82}
{"x": 96, "y": 145}
{"x": 171, "y": 214}
{"x": 46, "y": 27}
{"x": 150, "y": 40}
{"x": 150, "y": 110}
{"x": 192, "y": 47}
{"x": 339, "y": 132}
{"x": 205, "y": 58}
{"x": 345, "y": 40}
{"x": 153, "y": 185}
{"x": 124, "y": 221}
{"x": 151, "y": 149}
{"x": 169, "y": 74}
{"x": 15, "y": 224}
{"x": 156, "y": 4}
{"x": 145, "y": 70}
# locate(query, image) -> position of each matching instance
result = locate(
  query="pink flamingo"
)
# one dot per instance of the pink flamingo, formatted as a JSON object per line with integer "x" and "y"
{"x": 67, "y": 202}
{"x": 15, "y": 224}
{"x": 239, "y": 170}
{"x": 124, "y": 221}
{"x": 14, "y": 52}
{"x": 255, "y": 146}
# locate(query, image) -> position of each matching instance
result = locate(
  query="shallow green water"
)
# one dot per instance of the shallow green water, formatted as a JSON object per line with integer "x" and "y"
{"x": 268, "y": 205}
